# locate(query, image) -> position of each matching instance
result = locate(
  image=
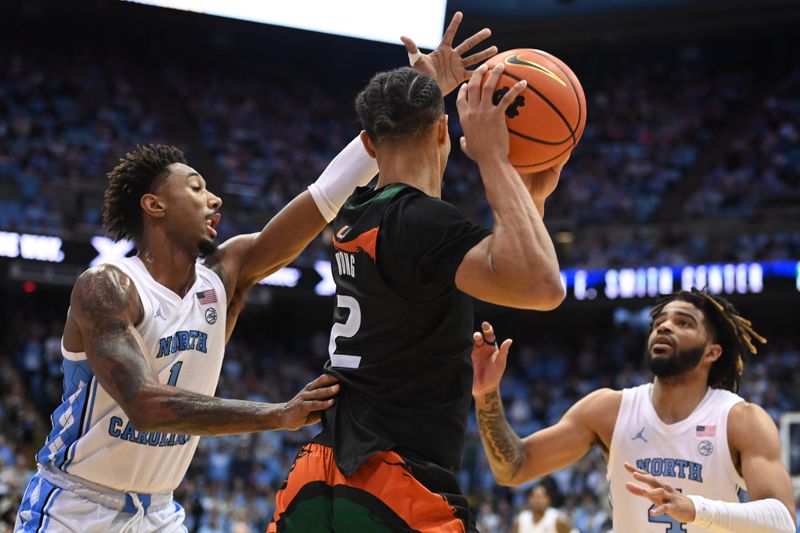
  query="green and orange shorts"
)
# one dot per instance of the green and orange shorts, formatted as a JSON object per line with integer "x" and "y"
{"x": 381, "y": 497}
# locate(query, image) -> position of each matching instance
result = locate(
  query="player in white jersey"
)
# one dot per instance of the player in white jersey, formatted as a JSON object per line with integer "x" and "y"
{"x": 679, "y": 449}
{"x": 541, "y": 516}
{"x": 144, "y": 337}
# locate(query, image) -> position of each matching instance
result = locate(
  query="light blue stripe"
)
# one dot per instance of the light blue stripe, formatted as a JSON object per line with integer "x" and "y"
{"x": 47, "y": 507}
{"x": 75, "y": 372}
{"x": 84, "y": 427}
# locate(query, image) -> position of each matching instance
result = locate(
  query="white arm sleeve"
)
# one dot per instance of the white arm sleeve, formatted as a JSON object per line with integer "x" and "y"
{"x": 351, "y": 168}
{"x": 761, "y": 516}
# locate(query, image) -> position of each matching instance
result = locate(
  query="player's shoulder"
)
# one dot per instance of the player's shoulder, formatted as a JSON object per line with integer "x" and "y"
{"x": 750, "y": 427}
{"x": 104, "y": 288}
{"x": 102, "y": 278}
{"x": 604, "y": 397}
{"x": 599, "y": 404}
{"x": 417, "y": 208}
{"x": 744, "y": 413}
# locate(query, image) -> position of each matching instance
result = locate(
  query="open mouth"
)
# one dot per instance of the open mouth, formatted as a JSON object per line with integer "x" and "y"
{"x": 661, "y": 345}
{"x": 212, "y": 221}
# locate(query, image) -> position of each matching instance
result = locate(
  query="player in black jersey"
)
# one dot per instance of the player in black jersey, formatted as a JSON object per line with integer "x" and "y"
{"x": 405, "y": 265}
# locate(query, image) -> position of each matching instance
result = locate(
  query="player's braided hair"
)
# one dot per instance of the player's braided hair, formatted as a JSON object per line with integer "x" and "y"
{"x": 134, "y": 176}
{"x": 399, "y": 104}
{"x": 731, "y": 330}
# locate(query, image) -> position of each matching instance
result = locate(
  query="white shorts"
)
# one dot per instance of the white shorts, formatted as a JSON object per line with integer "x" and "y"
{"x": 49, "y": 508}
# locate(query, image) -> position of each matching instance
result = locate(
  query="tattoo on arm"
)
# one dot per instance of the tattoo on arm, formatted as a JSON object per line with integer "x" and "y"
{"x": 106, "y": 307}
{"x": 206, "y": 415}
{"x": 503, "y": 446}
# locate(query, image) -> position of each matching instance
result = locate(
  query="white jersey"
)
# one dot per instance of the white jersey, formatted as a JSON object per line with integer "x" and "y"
{"x": 691, "y": 455}
{"x": 547, "y": 524}
{"x": 184, "y": 340}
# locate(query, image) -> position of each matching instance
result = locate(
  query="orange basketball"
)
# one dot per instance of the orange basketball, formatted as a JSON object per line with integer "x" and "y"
{"x": 547, "y": 120}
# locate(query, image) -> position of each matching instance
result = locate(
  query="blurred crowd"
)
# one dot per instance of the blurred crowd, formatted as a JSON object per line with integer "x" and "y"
{"x": 66, "y": 119}
{"x": 761, "y": 167}
{"x": 231, "y": 484}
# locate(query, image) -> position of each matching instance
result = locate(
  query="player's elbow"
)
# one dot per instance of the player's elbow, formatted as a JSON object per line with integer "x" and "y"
{"x": 141, "y": 419}
{"x": 143, "y": 411}
{"x": 507, "y": 480}
{"x": 544, "y": 295}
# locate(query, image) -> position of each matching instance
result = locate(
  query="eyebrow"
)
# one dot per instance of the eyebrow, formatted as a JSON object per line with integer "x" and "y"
{"x": 193, "y": 174}
{"x": 682, "y": 313}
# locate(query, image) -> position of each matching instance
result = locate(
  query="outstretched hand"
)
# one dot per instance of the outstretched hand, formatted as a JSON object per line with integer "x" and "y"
{"x": 305, "y": 408}
{"x": 447, "y": 65}
{"x": 666, "y": 499}
{"x": 488, "y": 360}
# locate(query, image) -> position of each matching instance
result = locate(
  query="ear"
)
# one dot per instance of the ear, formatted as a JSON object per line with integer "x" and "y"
{"x": 442, "y": 133}
{"x": 153, "y": 205}
{"x": 367, "y": 142}
{"x": 713, "y": 353}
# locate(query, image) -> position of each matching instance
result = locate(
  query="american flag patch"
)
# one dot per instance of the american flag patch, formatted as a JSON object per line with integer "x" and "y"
{"x": 706, "y": 431}
{"x": 209, "y": 296}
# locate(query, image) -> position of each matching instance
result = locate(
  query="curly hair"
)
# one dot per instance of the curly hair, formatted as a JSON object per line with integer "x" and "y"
{"x": 137, "y": 174}
{"x": 398, "y": 104}
{"x": 730, "y": 330}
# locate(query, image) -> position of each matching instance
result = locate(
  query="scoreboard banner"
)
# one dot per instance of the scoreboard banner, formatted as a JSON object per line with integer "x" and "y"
{"x": 581, "y": 285}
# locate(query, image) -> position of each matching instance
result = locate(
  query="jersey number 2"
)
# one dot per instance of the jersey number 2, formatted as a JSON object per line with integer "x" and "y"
{"x": 346, "y": 330}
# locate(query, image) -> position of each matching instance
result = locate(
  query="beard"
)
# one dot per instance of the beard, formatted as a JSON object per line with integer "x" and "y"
{"x": 678, "y": 363}
{"x": 207, "y": 247}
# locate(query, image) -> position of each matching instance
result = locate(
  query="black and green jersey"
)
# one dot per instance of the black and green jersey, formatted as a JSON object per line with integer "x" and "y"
{"x": 401, "y": 339}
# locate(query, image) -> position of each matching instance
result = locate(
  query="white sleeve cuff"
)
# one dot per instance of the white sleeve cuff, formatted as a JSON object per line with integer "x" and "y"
{"x": 760, "y": 516}
{"x": 353, "y": 167}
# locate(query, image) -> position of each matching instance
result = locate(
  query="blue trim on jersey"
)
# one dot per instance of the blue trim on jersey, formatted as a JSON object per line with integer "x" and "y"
{"x": 91, "y": 404}
{"x": 33, "y": 516}
{"x": 47, "y": 506}
{"x": 86, "y": 416}
{"x": 68, "y": 418}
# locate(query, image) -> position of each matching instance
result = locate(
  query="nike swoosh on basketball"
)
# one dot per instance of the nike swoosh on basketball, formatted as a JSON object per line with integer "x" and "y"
{"x": 516, "y": 60}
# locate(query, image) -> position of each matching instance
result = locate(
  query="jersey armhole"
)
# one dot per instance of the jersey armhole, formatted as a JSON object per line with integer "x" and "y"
{"x": 147, "y": 305}
{"x": 624, "y": 406}
{"x": 737, "y": 477}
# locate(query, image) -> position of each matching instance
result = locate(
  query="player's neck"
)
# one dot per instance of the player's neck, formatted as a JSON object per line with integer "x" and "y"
{"x": 415, "y": 166}
{"x": 675, "y": 398}
{"x": 537, "y": 516}
{"x": 170, "y": 266}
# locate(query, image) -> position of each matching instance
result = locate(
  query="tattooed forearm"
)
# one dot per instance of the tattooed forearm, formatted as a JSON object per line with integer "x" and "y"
{"x": 503, "y": 446}
{"x": 106, "y": 307}
{"x": 197, "y": 414}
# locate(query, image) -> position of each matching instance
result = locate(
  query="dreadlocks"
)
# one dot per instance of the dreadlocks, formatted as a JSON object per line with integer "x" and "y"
{"x": 134, "y": 176}
{"x": 731, "y": 331}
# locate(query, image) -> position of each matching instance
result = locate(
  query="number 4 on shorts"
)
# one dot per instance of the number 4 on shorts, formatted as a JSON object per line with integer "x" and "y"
{"x": 674, "y": 525}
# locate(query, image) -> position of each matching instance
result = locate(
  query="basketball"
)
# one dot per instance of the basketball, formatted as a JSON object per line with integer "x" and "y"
{"x": 546, "y": 121}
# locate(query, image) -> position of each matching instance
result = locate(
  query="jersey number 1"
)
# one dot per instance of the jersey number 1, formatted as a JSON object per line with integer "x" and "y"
{"x": 346, "y": 330}
{"x": 173, "y": 373}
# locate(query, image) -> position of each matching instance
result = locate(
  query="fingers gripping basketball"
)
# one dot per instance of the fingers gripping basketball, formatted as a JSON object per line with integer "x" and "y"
{"x": 547, "y": 119}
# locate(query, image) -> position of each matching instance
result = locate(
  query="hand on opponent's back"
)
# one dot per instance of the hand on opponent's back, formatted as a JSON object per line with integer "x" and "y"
{"x": 307, "y": 405}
